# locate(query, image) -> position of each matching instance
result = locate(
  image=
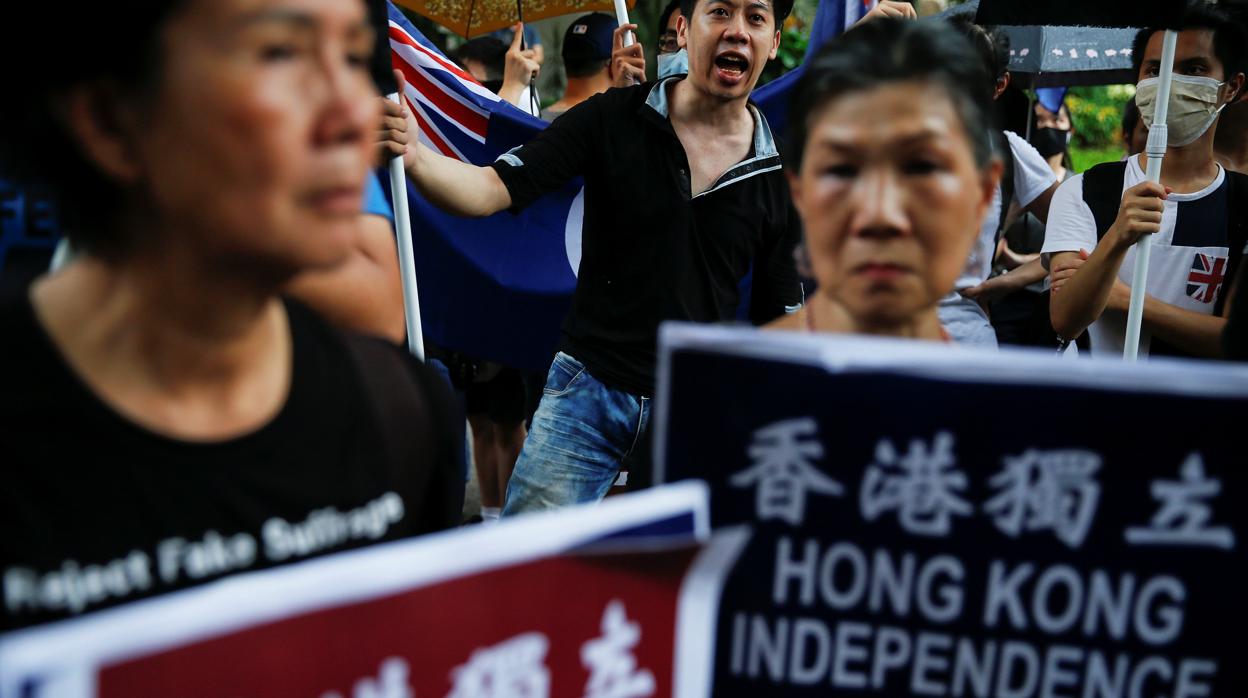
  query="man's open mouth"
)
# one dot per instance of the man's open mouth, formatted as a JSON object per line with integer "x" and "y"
{"x": 731, "y": 63}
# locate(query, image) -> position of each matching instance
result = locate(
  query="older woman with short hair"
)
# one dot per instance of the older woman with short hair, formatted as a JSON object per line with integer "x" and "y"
{"x": 891, "y": 170}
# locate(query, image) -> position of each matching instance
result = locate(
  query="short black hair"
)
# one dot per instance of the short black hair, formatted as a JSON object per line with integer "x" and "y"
{"x": 667, "y": 15}
{"x": 1228, "y": 37}
{"x": 993, "y": 46}
{"x": 892, "y": 50}
{"x": 780, "y": 9}
{"x": 489, "y": 51}
{"x": 37, "y": 151}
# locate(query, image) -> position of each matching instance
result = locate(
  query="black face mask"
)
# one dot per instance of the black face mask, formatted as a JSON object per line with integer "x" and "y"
{"x": 493, "y": 85}
{"x": 1049, "y": 141}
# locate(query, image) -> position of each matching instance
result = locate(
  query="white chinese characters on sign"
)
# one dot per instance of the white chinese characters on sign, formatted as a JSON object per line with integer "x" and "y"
{"x": 921, "y": 486}
{"x": 613, "y": 671}
{"x": 514, "y": 668}
{"x": 1047, "y": 490}
{"x": 1184, "y": 514}
{"x": 783, "y": 455}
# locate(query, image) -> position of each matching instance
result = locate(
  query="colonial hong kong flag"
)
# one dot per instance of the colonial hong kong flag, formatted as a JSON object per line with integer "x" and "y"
{"x": 1206, "y": 276}
{"x": 495, "y": 288}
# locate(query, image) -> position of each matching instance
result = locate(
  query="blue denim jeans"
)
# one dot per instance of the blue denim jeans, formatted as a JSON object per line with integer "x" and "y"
{"x": 582, "y": 434}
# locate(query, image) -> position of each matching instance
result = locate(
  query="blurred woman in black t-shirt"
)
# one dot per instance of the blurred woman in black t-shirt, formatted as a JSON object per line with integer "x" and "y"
{"x": 165, "y": 416}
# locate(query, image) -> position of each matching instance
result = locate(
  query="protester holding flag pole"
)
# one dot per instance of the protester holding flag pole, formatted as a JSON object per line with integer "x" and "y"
{"x": 1190, "y": 223}
{"x": 621, "y": 16}
{"x": 403, "y": 228}
{"x": 390, "y": 82}
{"x": 627, "y": 40}
{"x": 683, "y": 196}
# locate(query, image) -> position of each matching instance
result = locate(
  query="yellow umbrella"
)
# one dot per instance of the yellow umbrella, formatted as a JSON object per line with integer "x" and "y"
{"x": 470, "y": 18}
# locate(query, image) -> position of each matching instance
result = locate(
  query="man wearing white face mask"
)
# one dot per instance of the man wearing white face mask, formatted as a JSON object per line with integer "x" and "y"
{"x": 673, "y": 59}
{"x": 1197, "y": 214}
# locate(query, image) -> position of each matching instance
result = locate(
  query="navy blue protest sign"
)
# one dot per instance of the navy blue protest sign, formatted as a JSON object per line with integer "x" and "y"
{"x": 929, "y": 520}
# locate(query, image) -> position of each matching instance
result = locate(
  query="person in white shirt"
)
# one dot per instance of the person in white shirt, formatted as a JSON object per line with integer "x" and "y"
{"x": 1031, "y": 184}
{"x": 1198, "y": 238}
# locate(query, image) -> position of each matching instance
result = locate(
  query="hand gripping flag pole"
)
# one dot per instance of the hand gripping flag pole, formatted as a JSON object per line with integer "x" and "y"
{"x": 383, "y": 75}
{"x": 407, "y": 257}
{"x": 621, "y": 17}
{"x": 1156, "y": 151}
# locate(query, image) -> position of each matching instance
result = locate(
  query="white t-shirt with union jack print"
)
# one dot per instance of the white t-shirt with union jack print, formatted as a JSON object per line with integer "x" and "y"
{"x": 1188, "y": 262}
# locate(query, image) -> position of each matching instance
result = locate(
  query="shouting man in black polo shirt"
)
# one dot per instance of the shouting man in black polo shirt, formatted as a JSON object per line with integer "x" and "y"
{"x": 683, "y": 197}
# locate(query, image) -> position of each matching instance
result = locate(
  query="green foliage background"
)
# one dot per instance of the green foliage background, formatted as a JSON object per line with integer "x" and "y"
{"x": 1096, "y": 115}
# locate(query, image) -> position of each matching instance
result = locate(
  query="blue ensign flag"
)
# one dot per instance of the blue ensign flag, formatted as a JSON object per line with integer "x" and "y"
{"x": 498, "y": 287}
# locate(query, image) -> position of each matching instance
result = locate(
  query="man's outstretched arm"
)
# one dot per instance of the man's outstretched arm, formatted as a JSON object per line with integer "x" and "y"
{"x": 456, "y": 187}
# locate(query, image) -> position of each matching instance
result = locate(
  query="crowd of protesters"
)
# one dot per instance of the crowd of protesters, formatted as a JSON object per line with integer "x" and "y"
{"x": 220, "y": 354}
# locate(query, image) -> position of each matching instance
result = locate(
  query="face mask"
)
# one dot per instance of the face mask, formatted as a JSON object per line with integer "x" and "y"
{"x": 673, "y": 63}
{"x": 1193, "y": 106}
{"x": 1049, "y": 141}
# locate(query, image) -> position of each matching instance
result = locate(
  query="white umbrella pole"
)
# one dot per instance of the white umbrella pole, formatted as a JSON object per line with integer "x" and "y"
{"x": 1156, "y": 150}
{"x": 407, "y": 258}
{"x": 621, "y": 17}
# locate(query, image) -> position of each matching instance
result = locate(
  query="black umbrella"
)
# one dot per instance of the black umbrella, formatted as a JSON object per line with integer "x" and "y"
{"x": 1055, "y": 56}
{"x": 1052, "y": 55}
{"x": 1164, "y": 14}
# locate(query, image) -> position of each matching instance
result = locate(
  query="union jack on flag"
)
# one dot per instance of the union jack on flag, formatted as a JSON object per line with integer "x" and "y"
{"x": 452, "y": 109}
{"x": 500, "y": 285}
{"x": 1206, "y": 276}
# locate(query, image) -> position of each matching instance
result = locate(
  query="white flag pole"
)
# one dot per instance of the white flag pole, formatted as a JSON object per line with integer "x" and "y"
{"x": 1156, "y": 150}
{"x": 621, "y": 17}
{"x": 407, "y": 257}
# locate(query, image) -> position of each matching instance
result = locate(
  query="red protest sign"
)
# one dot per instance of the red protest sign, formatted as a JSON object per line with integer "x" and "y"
{"x": 616, "y": 599}
{"x": 532, "y": 624}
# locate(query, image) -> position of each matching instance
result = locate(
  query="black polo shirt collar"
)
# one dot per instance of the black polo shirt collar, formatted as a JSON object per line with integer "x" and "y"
{"x": 650, "y": 251}
{"x": 764, "y": 156}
